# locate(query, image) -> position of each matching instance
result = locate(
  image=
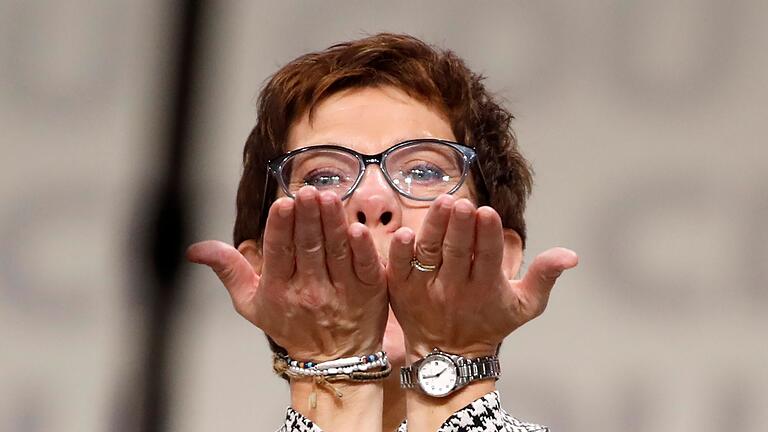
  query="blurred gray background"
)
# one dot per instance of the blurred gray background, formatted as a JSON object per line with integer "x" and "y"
{"x": 645, "y": 122}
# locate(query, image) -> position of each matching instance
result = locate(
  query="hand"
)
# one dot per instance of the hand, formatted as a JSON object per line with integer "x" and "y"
{"x": 468, "y": 305}
{"x": 317, "y": 287}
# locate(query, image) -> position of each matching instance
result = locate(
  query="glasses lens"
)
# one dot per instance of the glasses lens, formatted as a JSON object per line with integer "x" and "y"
{"x": 322, "y": 168}
{"x": 425, "y": 170}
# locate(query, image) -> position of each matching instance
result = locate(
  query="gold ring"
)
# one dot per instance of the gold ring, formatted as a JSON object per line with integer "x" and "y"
{"x": 420, "y": 266}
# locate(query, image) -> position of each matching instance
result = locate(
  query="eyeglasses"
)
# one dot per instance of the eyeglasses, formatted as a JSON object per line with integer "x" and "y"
{"x": 420, "y": 169}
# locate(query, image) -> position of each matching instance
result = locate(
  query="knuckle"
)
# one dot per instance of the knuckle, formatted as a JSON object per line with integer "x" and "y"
{"x": 454, "y": 251}
{"x": 312, "y": 299}
{"x": 225, "y": 274}
{"x": 367, "y": 270}
{"x": 365, "y": 266}
{"x": 309, "y": 245}
{"x": 548, "y": 277}
{"x": 278, "y": 249}
{"x": 338, "y": 250}
{"x": 487, "y": 255}
{"x": 428, "y": 250}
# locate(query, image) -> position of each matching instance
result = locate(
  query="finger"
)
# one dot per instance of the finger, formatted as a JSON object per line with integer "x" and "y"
{"x": 365, "y": 257}
{"x": 308, "y": 234}
{"x": 278, "y": 247}
{"x": 489, "y": 246}
{"x": 429, "y": 242}
{"x": 337, "y": 253}
{"x": 400, "y": 255}
{"x": 459, "y": 240}
{"x": 234, "y": 271}
{"x": 534, "y": 289}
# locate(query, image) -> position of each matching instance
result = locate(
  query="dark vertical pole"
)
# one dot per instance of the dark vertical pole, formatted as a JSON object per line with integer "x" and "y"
{"x": 163, "y": 230}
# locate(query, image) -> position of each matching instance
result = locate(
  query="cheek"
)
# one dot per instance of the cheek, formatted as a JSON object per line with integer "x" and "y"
{"x": 467, "y": 190}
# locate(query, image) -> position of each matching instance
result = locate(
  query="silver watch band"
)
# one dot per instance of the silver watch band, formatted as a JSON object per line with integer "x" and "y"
{"x": 468, "y": 370}
{"x": 408, "y": 377}
{"x": 477, "y": 369}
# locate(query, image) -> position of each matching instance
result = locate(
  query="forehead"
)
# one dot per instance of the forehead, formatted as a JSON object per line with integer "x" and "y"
{"x": 368, "y": 120}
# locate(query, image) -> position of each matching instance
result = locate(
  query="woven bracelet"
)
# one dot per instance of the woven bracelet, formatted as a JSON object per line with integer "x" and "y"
{"x": 351, "y": 368}
{"x": 370, "y": 376}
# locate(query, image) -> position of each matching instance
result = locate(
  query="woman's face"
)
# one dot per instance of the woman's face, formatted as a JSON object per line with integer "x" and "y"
{"x": 371, "y": 120}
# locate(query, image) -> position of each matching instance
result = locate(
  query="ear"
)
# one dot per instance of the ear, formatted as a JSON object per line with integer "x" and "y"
{"x": 251, "y": 250}
{"x": 513, "y": 253}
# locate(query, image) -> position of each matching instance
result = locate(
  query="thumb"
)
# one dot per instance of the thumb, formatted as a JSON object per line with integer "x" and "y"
{"x": 537, "y": 284}
{"x": 234, "y": 271}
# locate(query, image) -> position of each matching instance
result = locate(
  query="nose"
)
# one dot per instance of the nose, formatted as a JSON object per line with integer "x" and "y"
{"x": 374, "y": 203}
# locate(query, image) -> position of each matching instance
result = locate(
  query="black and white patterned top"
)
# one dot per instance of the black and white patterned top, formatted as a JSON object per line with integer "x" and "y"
{"x": 483, "y": 414}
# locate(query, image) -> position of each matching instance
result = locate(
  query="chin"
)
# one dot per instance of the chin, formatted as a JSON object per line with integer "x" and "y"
{"x": 394, "y": 341}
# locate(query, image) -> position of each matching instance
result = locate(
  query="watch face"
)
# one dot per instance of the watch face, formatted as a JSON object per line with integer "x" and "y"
{"x": 437, "y": 375}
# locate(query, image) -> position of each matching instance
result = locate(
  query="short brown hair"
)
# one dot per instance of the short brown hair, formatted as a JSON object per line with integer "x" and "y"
{"x": 437, "y": 77}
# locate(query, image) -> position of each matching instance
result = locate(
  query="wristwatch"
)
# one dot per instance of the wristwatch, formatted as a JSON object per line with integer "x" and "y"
{"x": 440, "y": 373}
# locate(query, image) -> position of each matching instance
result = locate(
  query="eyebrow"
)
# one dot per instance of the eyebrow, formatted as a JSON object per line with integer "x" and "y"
{"x": 393, "y": 142}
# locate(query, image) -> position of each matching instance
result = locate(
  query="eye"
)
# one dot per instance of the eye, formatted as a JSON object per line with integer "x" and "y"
{"x": 324, "y": 178}
{"x": 425, "y": 172}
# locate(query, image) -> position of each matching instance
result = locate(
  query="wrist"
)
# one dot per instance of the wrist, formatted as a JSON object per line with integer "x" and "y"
{"x": 359, "y": 408}
{"x": 339, "y": 394}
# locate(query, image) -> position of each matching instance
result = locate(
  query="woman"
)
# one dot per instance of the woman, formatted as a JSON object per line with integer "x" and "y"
{"x": 380, "y": 209}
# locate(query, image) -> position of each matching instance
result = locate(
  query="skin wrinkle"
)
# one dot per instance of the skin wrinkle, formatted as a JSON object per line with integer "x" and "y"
{"x": 330, "y": 125}
{"x": 432, "y": 76}
{"x": 349, "y": 116}
{"x": 352, "y": 107}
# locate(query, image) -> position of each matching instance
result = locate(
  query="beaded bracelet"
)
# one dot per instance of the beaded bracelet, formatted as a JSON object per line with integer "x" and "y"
{"x": 354, "y": 369}
{"x": 365, "y": 376}
{"x": 350, "y": 368}
{"x": 337, "y": 363}
{"x": 338, "y": 371}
